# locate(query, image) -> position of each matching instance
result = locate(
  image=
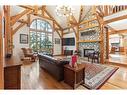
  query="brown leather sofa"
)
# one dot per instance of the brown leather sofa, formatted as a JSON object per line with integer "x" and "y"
{"x": 53, "y": 66}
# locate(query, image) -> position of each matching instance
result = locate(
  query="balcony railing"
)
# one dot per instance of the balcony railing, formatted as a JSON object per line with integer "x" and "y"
{"x": 109, "y": 10}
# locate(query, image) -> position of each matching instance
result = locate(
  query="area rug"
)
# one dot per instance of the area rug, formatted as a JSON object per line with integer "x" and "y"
{"x": 96, "y": 75}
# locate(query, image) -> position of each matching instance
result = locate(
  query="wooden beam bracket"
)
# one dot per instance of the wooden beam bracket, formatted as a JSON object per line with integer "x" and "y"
{"x": 17, "y": 28}
{"x": 15, "y": 18}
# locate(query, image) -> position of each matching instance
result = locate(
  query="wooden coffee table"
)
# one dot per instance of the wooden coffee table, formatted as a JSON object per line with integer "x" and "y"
{"x": 74, "y": 76}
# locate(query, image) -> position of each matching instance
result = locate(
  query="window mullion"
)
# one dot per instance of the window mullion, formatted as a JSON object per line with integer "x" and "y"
{"x": 41, "y": 35}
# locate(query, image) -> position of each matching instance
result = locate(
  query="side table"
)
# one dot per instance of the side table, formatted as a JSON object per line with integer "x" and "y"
{"x": 74, "y": 76}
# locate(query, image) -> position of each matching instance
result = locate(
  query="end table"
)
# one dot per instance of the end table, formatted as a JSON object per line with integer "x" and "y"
{"x": 74, "y": 76}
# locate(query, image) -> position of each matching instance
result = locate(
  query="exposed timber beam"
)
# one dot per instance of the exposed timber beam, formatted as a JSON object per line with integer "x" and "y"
{"x": 74, "y": 32}
{"x": 15, "y": 18}
{"x": 58, "y": 33}
{"x": 100, "y": 11}
{"x": 23, "y": 21}
{"x": 28, "y": 19}
{"x": 105, "y": 10}
{"x": 42, "y": 9}
{"x": 74, "y": 19}
{"x": 101, "y": 26}
{"x": 39, "y": 15}
{"x": 53, "y": 19}
{"x": 8, "y": 33}
{"x": 26, "y": 7}
{"x": 35, "y": 9}
{"x": 81, "y": 12}
{"x": 56, "y": 30}
{"x": 1, "y": 55}
{"x": 118, "y": 32}
{"x": 115, "y": 19}
{"x": 17, "y": 28}
{"x": 1, "y": 42}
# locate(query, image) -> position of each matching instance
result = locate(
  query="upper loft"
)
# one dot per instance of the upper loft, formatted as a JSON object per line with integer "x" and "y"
{"x": 114, "y": 17}
{"x": 112, "y": 9}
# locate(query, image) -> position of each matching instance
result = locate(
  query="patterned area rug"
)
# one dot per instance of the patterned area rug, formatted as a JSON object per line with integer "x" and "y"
{"x": 96, "y": 75}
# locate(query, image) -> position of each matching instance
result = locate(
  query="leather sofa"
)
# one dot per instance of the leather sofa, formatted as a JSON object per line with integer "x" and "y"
{"x": 53, "y": 66}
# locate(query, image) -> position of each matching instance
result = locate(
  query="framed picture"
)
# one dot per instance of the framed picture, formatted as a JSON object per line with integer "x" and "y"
{"x": 57, "y": 41}
{"x": 23, "y": 38}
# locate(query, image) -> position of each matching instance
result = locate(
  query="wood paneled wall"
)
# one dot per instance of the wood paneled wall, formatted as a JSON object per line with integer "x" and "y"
{"x": 1, "y": 54}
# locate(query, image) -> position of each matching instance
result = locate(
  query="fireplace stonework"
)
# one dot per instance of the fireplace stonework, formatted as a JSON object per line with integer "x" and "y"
{"x": 91, "y": 45}
{"x": 90, "y": 34}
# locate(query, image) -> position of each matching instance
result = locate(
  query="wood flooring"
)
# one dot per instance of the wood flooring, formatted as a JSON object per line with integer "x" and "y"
{"x": 118, "y": 59}
{"x": 34, "y": 77}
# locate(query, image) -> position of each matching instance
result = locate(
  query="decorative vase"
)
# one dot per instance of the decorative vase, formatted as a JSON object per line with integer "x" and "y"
{"x": 73, "y": 62}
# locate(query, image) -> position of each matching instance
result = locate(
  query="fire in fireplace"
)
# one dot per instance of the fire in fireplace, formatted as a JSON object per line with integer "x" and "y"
{"x": 87, "y": 51}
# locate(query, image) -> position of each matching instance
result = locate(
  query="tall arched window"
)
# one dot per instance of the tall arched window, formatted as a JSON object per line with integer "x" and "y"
{"x": 41, "y": 35}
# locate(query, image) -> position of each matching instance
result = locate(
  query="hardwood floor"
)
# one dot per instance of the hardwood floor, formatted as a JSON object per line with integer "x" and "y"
{"x": 118, "y": 80}
{"x": 118, "y": 59}
{"x": 34, "y": 77}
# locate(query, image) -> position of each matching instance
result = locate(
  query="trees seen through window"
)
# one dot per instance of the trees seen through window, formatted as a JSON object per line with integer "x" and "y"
{"x": 41, "y": 35}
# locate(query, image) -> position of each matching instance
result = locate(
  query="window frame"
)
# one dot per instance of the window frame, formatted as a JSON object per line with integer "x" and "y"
{"x": 43, "y": 31}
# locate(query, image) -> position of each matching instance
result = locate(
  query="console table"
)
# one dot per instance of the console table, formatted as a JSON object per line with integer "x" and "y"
{"x": 74, "y": 76}
{"x": 12, "y": 73}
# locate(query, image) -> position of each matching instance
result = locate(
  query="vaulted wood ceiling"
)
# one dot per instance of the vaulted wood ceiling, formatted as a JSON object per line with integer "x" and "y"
{"x": 79, "y": 14}
{"x": 62, "y": 21}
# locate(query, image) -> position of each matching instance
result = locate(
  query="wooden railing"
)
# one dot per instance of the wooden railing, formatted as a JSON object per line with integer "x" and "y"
{"x": 111, "y": 9}
{"x": 119, "y": 8}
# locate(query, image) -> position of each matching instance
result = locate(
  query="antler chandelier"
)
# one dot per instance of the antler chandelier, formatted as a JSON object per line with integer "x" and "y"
{"x": 64, "y": 10}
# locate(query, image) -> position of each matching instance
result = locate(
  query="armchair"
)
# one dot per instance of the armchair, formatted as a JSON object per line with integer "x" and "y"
{"x": 28, "y": 53}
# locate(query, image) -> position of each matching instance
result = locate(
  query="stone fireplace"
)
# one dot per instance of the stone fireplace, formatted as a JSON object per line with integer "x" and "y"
{"x": 90, "y": 39}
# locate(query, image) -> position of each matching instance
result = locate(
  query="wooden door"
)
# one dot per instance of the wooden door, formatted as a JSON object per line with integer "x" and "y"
{"x": 1, "y": 54}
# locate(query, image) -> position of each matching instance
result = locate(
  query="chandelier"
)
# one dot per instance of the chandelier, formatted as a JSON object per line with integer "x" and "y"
{"x": 64, "y": 11}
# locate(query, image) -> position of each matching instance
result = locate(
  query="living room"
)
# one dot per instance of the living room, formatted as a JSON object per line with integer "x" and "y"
{"x": 44, "y": 48}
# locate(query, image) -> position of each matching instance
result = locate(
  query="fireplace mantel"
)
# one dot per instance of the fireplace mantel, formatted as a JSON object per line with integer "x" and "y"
{"x": 86, "y": 41}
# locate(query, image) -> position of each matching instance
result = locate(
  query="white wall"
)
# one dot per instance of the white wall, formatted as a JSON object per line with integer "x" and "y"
{"x": 57, "y": 47}
{"x": 16, "y": 40}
